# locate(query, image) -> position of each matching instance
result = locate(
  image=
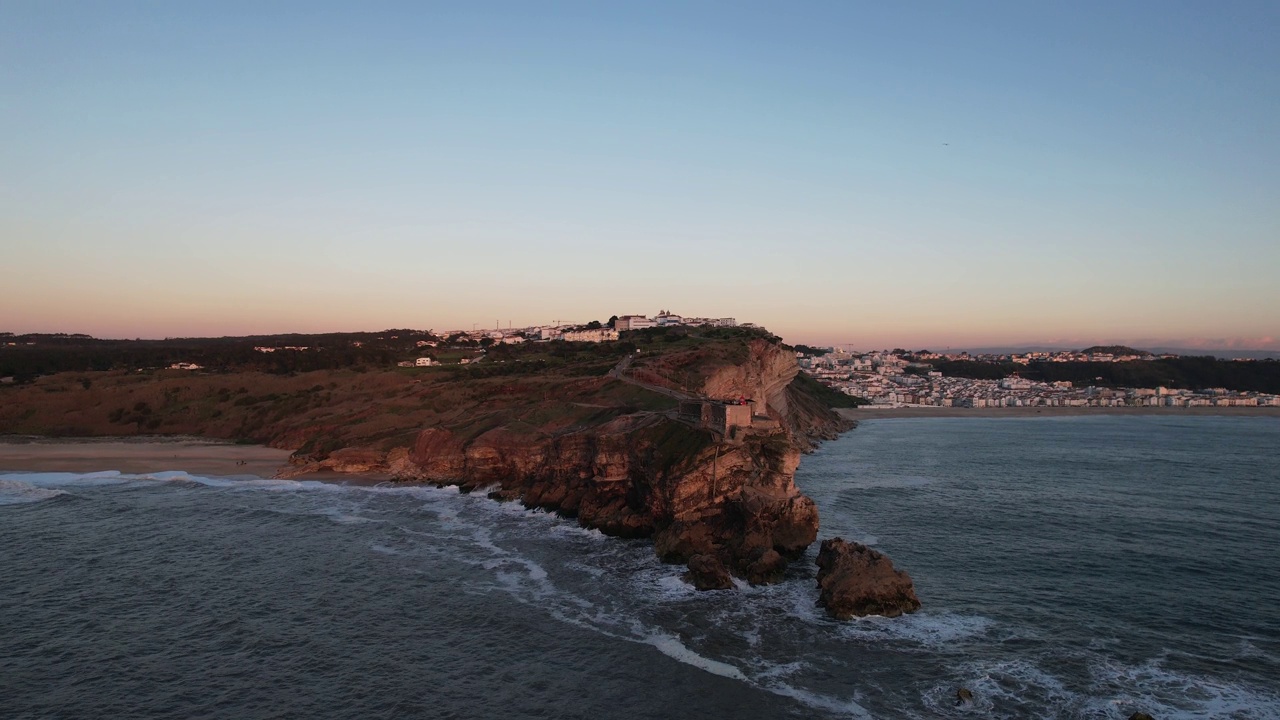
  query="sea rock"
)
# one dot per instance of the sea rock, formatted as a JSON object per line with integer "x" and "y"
{"x": 680, "y": 540}
{"x": 856, "y": 581}
{"x": 706, "y": 572}
{"x": 1140, "y": 716}
{"x": 963, "y": 696}
{"x": 767, "y": 569}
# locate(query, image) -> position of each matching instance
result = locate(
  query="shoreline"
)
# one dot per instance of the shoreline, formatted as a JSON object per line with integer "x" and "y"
{"x": 139, "y": 455}
{"x": 204, "y": 456}
{"x": 1025, "y": 412}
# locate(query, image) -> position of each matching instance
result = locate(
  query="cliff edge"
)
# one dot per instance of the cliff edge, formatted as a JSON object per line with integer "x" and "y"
{"x": 690, "y": 437}
{"x": 725, "y": 493}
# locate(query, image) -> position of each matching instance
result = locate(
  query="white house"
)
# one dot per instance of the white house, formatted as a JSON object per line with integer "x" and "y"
{"x": 598, "y": 335}
{"x": 634, "y": 322}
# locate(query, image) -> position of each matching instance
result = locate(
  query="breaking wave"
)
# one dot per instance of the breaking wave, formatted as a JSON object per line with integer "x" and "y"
{"x": 17, "y": 492}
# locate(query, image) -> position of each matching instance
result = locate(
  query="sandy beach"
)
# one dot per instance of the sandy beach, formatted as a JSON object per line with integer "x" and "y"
{"x": 213, "y": 457}
{"x": 1015, "y": 412}
{"x": 140, "y": 455}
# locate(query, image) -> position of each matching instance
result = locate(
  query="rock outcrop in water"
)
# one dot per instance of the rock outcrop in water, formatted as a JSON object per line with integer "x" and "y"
{"x": 856, "y": 581}
{"x": 706, "y": 572}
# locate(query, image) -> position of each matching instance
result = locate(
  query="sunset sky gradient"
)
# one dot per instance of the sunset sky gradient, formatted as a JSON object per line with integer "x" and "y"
{"x": 878, "y": 174}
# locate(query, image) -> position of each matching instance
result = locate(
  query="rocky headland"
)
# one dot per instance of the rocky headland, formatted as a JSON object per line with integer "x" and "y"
{"x": 691, "y": 440}
{"x": 724, "y": 495}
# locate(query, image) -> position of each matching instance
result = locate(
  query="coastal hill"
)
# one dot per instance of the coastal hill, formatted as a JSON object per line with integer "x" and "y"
{"x": 1117, "y": 350}
{"x": 691, "y": 437}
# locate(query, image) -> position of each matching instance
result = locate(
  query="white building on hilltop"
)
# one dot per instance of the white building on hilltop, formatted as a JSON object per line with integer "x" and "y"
{"x": 597, "y": 335}
{"x": 666, "y": 318}
{"x": 634, "y": 322}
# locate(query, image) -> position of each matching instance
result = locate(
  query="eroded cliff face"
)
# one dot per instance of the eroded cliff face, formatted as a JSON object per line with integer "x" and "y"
{"x": 731, "y": 505}
{"x": 768, "y": 377}
{"x": 765, "y": 374}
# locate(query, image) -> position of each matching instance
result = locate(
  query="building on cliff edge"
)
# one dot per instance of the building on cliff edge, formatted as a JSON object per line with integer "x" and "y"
{"x": 715, "y": 415}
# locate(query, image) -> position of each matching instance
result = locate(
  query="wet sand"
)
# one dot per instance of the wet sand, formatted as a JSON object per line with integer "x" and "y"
{"x": 1015, "y": 412}
{"x": 140, "y": 455}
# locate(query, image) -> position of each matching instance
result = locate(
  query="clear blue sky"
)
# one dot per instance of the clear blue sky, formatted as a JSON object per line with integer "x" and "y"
{"x": 920, "y": 174}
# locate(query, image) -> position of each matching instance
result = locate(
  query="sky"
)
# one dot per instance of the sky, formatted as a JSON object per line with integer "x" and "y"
{"x": 906, "y": 174}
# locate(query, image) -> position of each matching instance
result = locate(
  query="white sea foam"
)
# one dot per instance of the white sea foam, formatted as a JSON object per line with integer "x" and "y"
{"x": 1168, "y": 694}
{"x": 621, "y": 590}
{"x": 345, "y": 518}
{"x": 565, "y": 528}
{"x": 490, "y": 529}
{"x": 1247, "y": 649}
{"x": 65, "y": 479}
{"x": 385, "y": 550}
{"x": 1017, "y": 684}
{"x": 17, "y": 492}
{"x": 1017, "y": 688}
{"x": 671, "y": 646}
{"x": 923, "y": 628}
{"x": 625, "y": 616}
{"x": 674, "y": 587}
{"x": 848, "y": 708}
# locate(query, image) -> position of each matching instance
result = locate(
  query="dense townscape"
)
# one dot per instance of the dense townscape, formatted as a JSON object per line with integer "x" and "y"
{"x": 901, "y": 379}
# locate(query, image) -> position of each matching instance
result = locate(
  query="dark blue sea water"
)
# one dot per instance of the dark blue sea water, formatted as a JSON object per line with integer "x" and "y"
{"x": 1081, "y": 567}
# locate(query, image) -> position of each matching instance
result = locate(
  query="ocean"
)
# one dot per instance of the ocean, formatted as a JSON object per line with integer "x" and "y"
{"x": 1069, "y": 567}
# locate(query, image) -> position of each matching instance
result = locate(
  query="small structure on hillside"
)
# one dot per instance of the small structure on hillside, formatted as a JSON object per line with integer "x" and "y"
{"x": 716, "y": 415}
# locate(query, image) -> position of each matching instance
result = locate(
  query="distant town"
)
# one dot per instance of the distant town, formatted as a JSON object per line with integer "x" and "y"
{"x": 1100, "y": 376}
{"x": 899, "y": 378}
{"x": 594, "y": 331}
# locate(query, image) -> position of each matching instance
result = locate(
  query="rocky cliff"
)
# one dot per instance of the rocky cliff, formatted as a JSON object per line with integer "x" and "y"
{"x": 732, "y": 503}
{"x": 589, "y": 430}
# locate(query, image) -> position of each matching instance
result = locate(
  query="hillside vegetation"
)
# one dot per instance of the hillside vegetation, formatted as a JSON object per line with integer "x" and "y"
{"x": 535, "y": 388}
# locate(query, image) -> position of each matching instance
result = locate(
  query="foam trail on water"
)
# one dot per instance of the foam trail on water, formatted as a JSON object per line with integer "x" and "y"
{"x": 671, "y": 646}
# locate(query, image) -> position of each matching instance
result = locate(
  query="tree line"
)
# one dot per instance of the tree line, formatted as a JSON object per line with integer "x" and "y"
{"x": 1184, "y": 373}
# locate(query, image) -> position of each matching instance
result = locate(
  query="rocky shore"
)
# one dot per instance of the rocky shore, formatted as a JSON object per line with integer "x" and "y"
{"x": 725, "y": 505}
{"x": 602, "y": 436}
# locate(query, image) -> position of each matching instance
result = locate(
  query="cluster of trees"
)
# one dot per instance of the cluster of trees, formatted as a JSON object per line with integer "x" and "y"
{"x": 812, "y": 351}
{"x": 33, "y": 355}
{"x": 1113, "y": 350}
{"x": 1187, "y": 373}
{"x": 30, "y": 356}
